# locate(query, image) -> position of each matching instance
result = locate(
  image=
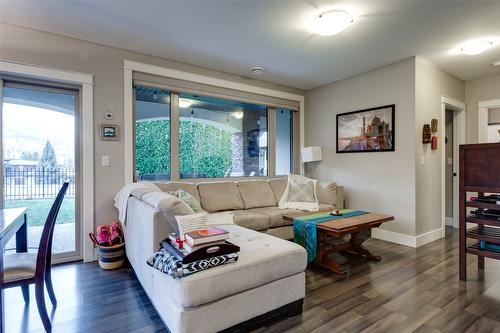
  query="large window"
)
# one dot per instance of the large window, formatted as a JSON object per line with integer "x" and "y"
{"x": 221, "y": 138}
{"x": 186, "y": 135}
{"x": 152, "y": 133}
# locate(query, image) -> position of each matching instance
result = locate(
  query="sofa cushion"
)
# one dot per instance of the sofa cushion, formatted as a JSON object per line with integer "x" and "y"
{"x": 326, "y": 192}
{"x": 275, "y": 215}
{"x": 278, "y": 186}
{"x": 256, "y": 193}
{"x": 262, "y": 259}
{"x": 251, "y": 220}
{"x": 323, "y": 206}
{"x": 219, "y": 196}
{"x": 191, "y": 188}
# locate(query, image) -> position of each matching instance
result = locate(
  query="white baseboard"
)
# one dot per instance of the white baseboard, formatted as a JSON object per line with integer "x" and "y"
{"x": 407, "y": 240}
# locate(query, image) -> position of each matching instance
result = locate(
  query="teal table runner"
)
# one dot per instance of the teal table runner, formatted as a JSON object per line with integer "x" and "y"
{"x": 304, "y": 229}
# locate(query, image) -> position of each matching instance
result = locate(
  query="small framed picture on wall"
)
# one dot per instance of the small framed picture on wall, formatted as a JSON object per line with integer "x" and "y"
{"x": 110, "y": 132}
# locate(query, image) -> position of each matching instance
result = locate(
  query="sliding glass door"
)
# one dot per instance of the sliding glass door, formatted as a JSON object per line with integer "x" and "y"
{"x": 39, "y": 152}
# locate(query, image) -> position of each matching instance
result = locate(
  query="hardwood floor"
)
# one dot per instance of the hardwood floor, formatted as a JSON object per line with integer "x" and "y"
{"x": 410, "y": 290}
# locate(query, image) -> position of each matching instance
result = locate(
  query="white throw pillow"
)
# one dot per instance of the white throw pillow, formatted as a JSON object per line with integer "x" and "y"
{"x": 300, "y": 193}
{"x": 188, "y": 223}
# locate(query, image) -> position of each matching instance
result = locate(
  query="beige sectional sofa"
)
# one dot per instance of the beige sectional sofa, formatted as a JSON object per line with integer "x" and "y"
{"x": 267, "y": 280}
{"x": 254, "y": 202}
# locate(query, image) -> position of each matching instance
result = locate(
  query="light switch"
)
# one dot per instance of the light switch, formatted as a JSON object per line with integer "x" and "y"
{"x": 105, "y": 160}
{"x": 422, "y": 160}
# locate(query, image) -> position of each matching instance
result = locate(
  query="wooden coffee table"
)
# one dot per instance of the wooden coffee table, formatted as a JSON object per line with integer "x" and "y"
{"x": 335, "y": 229}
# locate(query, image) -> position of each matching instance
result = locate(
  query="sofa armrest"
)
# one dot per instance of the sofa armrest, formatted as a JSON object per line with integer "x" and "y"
{"x": 340, "y": 204}
{"x": 145, "y": 228}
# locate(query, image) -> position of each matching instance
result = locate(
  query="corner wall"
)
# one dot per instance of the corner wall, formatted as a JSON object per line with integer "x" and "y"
{"x": 475, "y": 92}
{"x": 381, "y": 182}
{"x": 431, "y": 84}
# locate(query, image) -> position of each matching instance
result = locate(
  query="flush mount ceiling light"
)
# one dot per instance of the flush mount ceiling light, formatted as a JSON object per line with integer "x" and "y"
{"x": 257, "y": 70}
{"x": 476, "y": 47}
{"x": 184, "y": 103}
{"x": 237, "y": 114}
{"x": 331, "y": 22}
{"x": 496, "y": 63}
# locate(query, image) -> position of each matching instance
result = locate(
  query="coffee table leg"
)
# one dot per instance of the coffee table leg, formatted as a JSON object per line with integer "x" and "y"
{"x": 322, "y": 258}
{"x": 357, "y": 247}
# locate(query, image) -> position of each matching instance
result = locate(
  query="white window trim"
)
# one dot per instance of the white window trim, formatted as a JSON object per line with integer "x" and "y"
{"x": 87, "y": 145}
{"x": 130, "y": 66}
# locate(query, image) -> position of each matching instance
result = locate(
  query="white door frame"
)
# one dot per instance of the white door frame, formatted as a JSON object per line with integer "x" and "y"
{"x": 482, "y": 118}
{"x": 86, "y": 81}
{"x": 458, "y": 138}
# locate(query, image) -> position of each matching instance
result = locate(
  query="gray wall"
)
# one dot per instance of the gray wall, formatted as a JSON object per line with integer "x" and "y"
{"x": 431, "y": 84}
{"x": 45, "y": 49}
{"x": 475, "y": 92}
{"x": 381, "y": 182}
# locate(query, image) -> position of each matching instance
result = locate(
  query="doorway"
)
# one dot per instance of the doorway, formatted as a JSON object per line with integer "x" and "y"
{"x": 452, "y": 135}
{"x": 39, "y": 146}
{"x": 488, "y": 121}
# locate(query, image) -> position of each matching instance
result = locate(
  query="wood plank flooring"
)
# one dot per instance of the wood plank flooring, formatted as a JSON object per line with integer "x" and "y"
{"x": 410, "y": 290}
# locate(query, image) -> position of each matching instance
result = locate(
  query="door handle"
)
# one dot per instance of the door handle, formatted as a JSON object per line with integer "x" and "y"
{"x": 454, "y": 174}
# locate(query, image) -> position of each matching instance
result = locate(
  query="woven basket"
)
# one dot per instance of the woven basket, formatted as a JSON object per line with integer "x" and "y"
{"x": 111, "y": 257}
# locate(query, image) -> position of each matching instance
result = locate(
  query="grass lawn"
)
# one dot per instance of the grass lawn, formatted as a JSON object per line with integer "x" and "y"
{"x": 38, "y": 210}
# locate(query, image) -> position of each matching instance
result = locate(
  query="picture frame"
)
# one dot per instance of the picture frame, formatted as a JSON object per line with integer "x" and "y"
{"x": 367, "y": 130}
{"x": 110, "y": 132}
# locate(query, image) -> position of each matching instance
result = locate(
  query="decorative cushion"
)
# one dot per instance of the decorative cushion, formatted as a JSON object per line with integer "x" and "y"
{"x": 218, "y": 196}
{"x": 327, "y": 192}
{"x": 19, "y": 266}
{"x": 278, "y": 186}
{"x": 251, "y": 220}
{"x": 300, "y": 190}
{"x": 188, "y": 223}
{"x": 191, "y": 188}
{"x": 256, "y": 193}
{"x": 190, "y": 200}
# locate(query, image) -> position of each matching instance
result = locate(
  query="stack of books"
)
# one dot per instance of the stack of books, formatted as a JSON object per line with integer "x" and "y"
{"x": 201, "y": 244}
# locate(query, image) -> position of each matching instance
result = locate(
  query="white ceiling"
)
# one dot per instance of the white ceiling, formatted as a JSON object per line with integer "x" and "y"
{"x": 233, "y": 36}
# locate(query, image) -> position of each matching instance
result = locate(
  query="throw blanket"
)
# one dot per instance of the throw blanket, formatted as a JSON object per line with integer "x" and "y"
{"x": 165, "y": 261}
{"x": 304, "y": 229}
{"x": 122, "y": 196}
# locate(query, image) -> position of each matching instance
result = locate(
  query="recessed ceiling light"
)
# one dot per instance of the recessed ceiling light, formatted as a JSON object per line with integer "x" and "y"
{"x": 496, "y": 63}
{"x": 184, "y": 103}
{"x": 476, "y": 47}
{"x": 257, "y": 70}
{"x": 331, "y": 22}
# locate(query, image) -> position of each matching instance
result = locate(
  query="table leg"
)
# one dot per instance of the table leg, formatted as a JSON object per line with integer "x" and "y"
{"x": 357, "y": 247}
{"x": 22, "y": 236}
{"x": 323, "y": 259}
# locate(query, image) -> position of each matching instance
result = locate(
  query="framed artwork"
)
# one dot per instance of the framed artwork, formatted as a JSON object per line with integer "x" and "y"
{"x": 369, "y": 130}
{"x": 110, "y": 132}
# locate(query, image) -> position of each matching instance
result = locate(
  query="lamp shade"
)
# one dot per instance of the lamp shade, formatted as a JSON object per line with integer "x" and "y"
{"x": 311, "y": 154}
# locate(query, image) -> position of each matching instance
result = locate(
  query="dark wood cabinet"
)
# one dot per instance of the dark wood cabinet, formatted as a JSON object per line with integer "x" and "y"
{"x": 479, "y": 175}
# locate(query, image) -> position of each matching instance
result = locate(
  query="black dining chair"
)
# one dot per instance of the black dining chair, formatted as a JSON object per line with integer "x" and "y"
{"x": 23, "y": 269}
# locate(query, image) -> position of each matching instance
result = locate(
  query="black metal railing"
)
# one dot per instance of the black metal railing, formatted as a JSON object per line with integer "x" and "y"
{"x": 25, "y": 183}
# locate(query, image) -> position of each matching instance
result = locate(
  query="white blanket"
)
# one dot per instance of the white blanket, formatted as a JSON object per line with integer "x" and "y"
{"x": 121, "y": 198}
{"x": 306, "y": 206}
